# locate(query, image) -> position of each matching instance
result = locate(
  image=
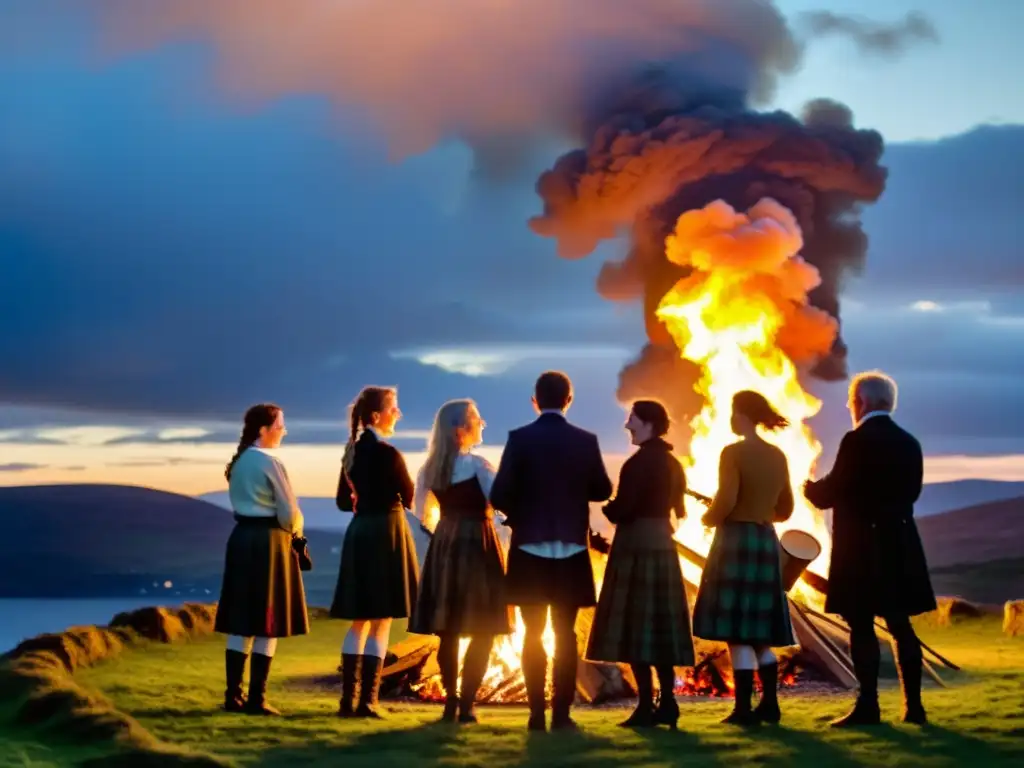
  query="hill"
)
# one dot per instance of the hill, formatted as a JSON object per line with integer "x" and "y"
{"x": 64, "y": 541}
{"x": 937, "y": 498}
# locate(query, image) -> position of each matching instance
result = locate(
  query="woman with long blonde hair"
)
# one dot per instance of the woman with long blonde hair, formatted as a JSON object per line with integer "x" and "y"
{"x": 462, "y": 590}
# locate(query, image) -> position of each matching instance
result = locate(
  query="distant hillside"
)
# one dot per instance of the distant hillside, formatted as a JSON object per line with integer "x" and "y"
{"x": 120, "y": 541}
{"x": 975, "y": 534}
{"x": 937, "y": 498}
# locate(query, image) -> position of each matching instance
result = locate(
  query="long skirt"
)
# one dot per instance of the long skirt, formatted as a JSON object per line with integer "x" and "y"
{"x": 741, "y": 599}
{"x": 379, "y": 573}
{"x": 261, "y": 594}
{"x": 462, "y": 590}
{"x": 642, "y": 615}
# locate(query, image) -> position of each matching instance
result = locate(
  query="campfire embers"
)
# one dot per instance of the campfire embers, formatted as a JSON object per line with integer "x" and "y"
{"x": 412, "y": 673}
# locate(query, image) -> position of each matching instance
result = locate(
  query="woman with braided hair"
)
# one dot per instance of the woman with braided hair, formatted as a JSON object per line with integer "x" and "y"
{"x": 379, "y": 573}
{"x": 262, "y": 596}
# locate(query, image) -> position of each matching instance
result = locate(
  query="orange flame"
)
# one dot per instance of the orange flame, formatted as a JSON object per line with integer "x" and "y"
{"x": 742, "y": 314}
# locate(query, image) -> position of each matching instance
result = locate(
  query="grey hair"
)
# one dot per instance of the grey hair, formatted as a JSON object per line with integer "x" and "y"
{"x": 877, "y": 390}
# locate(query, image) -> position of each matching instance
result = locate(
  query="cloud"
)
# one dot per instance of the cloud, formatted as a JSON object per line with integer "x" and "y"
{"x": 182, "y": 433}
{"x": 872, "y": 37}
{"x": 168, "y": 253}
{"x": 19, "y": 467}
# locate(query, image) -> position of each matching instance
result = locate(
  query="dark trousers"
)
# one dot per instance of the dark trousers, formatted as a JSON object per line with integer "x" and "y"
{"x": 535, "y": 660}
{"x": 866, "y": 657}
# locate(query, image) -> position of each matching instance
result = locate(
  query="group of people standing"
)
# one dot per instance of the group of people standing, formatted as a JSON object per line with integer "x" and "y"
{"x": 549, "y": 474}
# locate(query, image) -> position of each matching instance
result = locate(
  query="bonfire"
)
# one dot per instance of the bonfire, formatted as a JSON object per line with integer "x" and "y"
{"x": 741, "y": 313}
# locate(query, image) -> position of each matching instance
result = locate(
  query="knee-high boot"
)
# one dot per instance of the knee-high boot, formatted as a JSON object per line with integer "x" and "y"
{"x": 371, "y": 670}
{"x": 448, "y": 662}
{"x": 349, "y": 678}
{"x": 667, "y": 712}
{"x": 767, "y": 710}
{"x": 866, "y": 660}
{"x": 908, "y": 664}
{"x": 234, "y": 668}
{"x": 259, "y": 672}
{"x": 742, "y": 714}
{"x": 473, "y": 671}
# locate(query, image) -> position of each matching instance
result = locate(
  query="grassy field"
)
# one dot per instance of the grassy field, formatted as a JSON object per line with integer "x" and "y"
{"x": 173, "y": 691}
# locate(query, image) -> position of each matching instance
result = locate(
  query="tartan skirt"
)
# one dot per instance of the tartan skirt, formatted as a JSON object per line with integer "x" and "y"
{"x": 261, "y": 593}
{"x": 741, "y": 599}
{"x": 462, "y": 588}
{"x": 642, "y": 616}
{"x": 379, "y": 572}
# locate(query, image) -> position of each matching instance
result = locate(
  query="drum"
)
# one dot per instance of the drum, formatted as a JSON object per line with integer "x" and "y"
{"x": 799, "y": 549}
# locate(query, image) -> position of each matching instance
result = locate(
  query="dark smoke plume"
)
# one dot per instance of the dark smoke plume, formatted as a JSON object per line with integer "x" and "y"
{"x": 872, "y": 37}
{"x": 649, "y": 160}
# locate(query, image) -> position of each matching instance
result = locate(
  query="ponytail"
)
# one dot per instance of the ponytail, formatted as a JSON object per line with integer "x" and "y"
{"x": 756, "y": 407}
{"x": 369, "y": 401}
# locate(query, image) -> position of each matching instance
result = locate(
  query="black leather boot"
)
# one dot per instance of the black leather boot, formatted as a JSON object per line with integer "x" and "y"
{"x": 767, "y": 710}
{"x": 371, "y": 670}
{"x": 234, "y": 667}
{"x": 741, "y": 713}
{"x": 473, "y": 671}
{"x": 667, "y": 712}
{"x": 866, "y": 661}
{"x": 448, "y": 662}
{"x": 908, "y": 664}
{"x": 565, "y": 692}
{"x": 534, "y": 672}
{"x": 349, "y": 679}
{"x": 643, "y": 715}
{"x": 259, "y": 671}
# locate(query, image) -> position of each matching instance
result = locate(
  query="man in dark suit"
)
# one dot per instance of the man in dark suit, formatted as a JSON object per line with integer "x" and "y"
{"x": 878, "y": 565}
{"x": 549, "y": 473}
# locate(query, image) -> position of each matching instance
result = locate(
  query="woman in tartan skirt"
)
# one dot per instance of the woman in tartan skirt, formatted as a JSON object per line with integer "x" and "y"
{"x": 642, "y": 617}
{"x": 741, "y": 599}
{"x": 462, "y": 590}
{"x": 379, "y": 571}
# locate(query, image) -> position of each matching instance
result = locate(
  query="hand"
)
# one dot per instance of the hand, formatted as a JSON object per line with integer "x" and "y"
{"x": 707, "y": 522}
{"x": 599, "y": 543}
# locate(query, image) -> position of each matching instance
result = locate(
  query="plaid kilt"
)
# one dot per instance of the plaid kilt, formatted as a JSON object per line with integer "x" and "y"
{"x": 741, "y": 600}
{"x": 462, "y": 587}
{"x": 642, "y": 616}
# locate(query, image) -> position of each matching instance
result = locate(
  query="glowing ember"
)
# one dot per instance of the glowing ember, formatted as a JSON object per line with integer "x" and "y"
{"x": 742, "y": 314}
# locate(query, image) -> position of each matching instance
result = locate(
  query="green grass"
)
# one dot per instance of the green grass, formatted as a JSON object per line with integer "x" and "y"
{"x": 173, "y": 691}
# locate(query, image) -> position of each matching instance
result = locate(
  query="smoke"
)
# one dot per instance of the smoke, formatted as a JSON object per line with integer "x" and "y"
{"x": 871, "y": 37}
{"x": 659, "y": 95}
{"x": 501, "y": 75}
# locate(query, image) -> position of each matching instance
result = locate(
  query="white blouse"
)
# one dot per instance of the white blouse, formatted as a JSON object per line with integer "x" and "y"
{"x": 466, "y": 465}
{"x": 260, "y": 487}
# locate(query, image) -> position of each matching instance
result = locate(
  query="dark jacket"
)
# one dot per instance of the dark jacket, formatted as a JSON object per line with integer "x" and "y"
{"x": 878, "y": 564}
{"x": 549, "y": 472}
{"x": 378, "y": 481}
{"x": 651, "y": 485}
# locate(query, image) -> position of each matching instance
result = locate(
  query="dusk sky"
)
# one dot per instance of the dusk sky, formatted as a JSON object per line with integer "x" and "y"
{"x": 199, "y": 212}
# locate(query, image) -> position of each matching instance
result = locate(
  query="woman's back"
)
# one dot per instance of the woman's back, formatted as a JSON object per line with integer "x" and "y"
{"x": 378, "y": 480}
{"x": 754, "y": 483}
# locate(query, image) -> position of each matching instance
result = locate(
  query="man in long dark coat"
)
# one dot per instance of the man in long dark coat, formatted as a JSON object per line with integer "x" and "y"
{"x": 878, "y": 565}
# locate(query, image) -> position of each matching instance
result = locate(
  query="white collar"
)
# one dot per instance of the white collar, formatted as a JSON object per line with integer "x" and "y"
{"x": 871, "y": 415}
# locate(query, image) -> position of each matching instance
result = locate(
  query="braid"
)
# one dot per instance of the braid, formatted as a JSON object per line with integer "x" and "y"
{"x": 355, "y": 422}
{"x": 256, "y": 418}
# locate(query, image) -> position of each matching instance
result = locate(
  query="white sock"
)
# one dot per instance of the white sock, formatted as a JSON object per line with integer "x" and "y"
{"x": 766, "y": 656}
{"x": 264, "y": 646}
{"x": 355, "y": 638}
{"x": 377, "y": 642}
{"x": 239, "y": 643}
{"x": 743, "y": 657}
